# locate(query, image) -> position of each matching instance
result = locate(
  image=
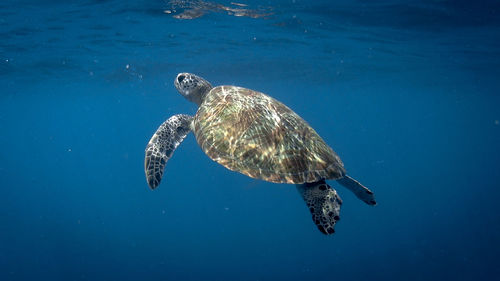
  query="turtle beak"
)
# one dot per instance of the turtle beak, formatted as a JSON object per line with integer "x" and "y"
{"x": 178, "y": 81}
{"x": 183, "y": 84}
{"x": 180, "y": 77}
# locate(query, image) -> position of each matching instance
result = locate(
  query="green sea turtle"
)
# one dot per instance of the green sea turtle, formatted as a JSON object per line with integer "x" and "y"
{"x": 249, "y": 132}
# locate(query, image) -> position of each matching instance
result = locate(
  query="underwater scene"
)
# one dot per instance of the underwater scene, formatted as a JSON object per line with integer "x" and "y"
{"x": 394, "y": 101}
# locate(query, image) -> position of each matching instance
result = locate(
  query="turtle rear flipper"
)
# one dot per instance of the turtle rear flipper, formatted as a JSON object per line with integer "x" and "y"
{"x": 323, "y": 203}
{"x": 163, "y": 144}
{"x": 361, "y": 191}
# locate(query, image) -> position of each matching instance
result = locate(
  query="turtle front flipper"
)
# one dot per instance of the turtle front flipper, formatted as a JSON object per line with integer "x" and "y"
{"x": 361, "y": 191}
{"x": 323, "y": 203}
{"x": 163, "y": 144}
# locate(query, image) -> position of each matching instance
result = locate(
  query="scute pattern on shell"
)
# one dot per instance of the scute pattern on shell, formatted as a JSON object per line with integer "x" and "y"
{"x": 251, "y": 133}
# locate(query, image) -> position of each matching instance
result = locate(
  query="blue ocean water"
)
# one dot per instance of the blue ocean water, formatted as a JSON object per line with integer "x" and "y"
{"x": 406, "y": 92}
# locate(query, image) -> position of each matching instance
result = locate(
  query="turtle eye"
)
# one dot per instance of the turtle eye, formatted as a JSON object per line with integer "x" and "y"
{"x": 180, "y": 78}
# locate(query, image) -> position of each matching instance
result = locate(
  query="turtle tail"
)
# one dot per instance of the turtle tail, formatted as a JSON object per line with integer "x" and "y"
{"x": 323, "y": 203}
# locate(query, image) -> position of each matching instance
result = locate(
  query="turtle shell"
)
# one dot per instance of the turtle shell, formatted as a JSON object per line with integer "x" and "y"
{"x": 251, "y": 133}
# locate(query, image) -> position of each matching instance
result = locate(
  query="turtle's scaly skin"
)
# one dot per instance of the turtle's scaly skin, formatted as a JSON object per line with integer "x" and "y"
{"x": 251, "y": 133}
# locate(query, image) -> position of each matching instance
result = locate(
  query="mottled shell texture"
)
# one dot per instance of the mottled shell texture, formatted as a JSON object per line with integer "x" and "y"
{"x": 256, "y": 135}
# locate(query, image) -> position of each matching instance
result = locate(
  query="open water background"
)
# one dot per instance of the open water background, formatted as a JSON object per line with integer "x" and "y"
{"x": 406, "y": 92}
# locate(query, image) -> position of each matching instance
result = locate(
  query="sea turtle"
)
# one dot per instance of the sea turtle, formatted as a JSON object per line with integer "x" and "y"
{"x": 252, "y": 133}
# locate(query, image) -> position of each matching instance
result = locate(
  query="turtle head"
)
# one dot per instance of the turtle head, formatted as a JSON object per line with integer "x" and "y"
{"x": 192, "y": 87}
